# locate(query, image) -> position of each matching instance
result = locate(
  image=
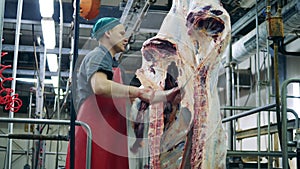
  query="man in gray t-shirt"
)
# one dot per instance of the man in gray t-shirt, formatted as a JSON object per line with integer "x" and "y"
{"x": 95, "y": 73}
{"x": 92, "y": 96}
{"x": 98, "y": 60}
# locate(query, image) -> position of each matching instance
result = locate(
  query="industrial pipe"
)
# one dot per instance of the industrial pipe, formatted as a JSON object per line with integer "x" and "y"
{"x": 245, "y": 47}
{"x": 277, "y": 91}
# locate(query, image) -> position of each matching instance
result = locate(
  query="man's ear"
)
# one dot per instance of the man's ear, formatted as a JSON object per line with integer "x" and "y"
{"x": 107, "y": 34}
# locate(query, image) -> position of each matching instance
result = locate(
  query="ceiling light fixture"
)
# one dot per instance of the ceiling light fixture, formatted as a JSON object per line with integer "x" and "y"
{"x": 55, "y": 81}
{"x": 31, "y": 80}
{"x": 48, "y": 28}
{"x": 52, "y": 62}
{"x": 46, "y": 8}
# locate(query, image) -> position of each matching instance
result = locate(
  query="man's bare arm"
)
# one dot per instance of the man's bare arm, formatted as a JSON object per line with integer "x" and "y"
{"x": 108, "y": 88}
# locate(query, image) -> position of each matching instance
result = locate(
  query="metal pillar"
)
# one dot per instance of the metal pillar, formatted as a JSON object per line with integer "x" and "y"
{"x": 13, "y": 82}
{"x": 61, "y": 28}
{"x": 75, "y": 56}
{"x": 258, "y": 92}
{"x": 40, "y": 144}
{"x": 229, "y": 99}
{"x": 2, "y": 9}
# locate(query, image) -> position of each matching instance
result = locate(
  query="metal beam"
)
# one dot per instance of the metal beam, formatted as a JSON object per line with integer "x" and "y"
{"x": 264, "y": 130}
{"x": 248, "y": 17}
{"x": 255, "y": 153}
{"x": 25, "y": 48}
{"x": 26, "y": 72}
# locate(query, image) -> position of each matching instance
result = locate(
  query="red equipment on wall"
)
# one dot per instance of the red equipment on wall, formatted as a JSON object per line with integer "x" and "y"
{"x": 11, "y": 102}
{"x": 89, "y": 9}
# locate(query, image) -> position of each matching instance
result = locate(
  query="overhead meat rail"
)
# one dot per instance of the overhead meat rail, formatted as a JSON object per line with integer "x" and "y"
{"x": 133, "y": 14}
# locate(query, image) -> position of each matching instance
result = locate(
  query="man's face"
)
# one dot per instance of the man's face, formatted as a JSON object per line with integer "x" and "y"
{"x": 118, "y": 39}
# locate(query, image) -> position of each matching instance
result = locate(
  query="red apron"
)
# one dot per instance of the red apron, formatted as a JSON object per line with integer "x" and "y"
{"x": 107, "y": 120}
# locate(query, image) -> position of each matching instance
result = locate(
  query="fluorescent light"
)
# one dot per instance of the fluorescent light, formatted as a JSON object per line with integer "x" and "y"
{"x": 54, "y": 80}
{"x": 48, "y": 28}
{"x": 46, "y": 8}
{"x": 52, "y": 62}
{"x": 30, "y": 80}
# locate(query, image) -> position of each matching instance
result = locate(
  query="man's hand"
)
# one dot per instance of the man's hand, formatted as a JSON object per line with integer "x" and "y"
{"x": 175, "y": 95}
{"x": 155, "y": 96}
{"x": 146, "y": 94}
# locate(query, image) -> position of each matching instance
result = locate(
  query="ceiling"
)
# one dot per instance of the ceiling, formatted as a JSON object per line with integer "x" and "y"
{"x": 31, "y": 28}
{"x": 242, "y": 13}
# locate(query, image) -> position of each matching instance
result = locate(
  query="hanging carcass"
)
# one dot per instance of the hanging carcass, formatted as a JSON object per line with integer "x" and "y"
{"x": 185, "y": 53}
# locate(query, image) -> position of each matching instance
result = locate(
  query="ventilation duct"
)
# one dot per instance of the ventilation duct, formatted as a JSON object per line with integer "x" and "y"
{"x": 246, "y": 46}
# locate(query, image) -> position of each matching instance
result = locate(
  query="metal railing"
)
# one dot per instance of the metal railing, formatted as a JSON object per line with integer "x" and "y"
{"x": 285, "y": 154}
{"x": 55, "y": 122}
{"x": 284, "y": 119}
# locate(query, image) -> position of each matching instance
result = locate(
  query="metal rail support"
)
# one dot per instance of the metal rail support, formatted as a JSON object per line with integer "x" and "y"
{"x": 133, "y": 14}
{"x": 58, "y": 122}
{"x": 246, "y": 113}
{"x": 297, "y": 124}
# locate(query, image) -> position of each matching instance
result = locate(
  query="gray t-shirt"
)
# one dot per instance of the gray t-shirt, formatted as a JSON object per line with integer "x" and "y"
{"x": 97, "y": 60}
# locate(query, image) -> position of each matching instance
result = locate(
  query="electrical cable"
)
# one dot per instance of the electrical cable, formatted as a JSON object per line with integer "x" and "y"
{"x": 35, "y": 56}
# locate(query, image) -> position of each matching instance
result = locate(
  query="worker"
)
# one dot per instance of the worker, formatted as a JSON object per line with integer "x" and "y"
{"x": 100, "y": 100}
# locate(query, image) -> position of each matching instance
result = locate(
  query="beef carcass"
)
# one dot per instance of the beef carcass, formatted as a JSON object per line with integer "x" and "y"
{"x": 188, "y": 46}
